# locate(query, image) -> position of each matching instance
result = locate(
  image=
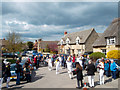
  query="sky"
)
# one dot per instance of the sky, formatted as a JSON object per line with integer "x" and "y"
{"x": 49, "y": 20}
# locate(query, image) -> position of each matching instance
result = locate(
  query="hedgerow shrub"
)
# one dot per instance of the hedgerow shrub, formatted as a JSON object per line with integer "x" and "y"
{"x": 97, "y": 55}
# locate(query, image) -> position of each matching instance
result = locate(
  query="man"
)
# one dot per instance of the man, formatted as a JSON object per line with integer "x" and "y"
{"x": 90, "y": 72}
{"x": 101, "y": 71}
{"x": 18, "y": 70}
{"x": 113, "y": 69}
{"x": 79, "y": 59}
{"x": 60, "y": 59}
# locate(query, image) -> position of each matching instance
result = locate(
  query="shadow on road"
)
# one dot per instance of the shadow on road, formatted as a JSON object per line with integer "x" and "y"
{"x": 35, "y": 77}
{"x": 63, "y": 72}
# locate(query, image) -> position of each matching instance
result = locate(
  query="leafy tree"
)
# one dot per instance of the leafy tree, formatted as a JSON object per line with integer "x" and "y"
{"x": 53, "y": 48}
{"x": 97, "y": 55}
{"x": 113, "y": 54}
{"x": 30, "y": 45}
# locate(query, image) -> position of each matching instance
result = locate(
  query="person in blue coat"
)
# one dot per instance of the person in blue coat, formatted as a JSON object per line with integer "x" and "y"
{"x": 106, "y": 68}
{"x": 113, "y": 69}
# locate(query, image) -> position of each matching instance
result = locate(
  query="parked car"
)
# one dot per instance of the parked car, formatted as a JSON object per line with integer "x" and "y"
{"x": 12, "y": 70}
{"x": 9, "y": 55}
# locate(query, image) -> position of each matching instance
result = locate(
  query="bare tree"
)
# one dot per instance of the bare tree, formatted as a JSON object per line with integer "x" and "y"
{"x": 14, "y": 42}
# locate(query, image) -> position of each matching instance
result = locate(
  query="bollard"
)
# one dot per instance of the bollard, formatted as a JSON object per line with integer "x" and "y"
{"x": 85, "y": 87}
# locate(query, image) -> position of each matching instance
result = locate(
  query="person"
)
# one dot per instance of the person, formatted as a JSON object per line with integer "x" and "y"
{"x": 65, "y": 65}
{"x": 60, "y": 59}
{"x": 57, "y": 66}
{"x": 113, "y": 69}
{"x": 27, "y": 72}
{"x": 90, "y": 72}
{"x": 106, "y": 68}
{"x": 7, "y": 74}
{"x": 73, "y": 61}
{"x": 101, "y": 72}
{"x": 109, "y": 72}
{"x": 69, "y": 66}
{"x": 79, "y": 59}
{"x": 3, "y": 73}
{"x": 18, "y": 70}
{"x": 35, "y": 62}
{"x": 79, "y": 73}
{"x": 50, "y": 64}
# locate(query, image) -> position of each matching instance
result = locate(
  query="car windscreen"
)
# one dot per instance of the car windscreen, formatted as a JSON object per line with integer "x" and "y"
{"x": 12, "y": 68}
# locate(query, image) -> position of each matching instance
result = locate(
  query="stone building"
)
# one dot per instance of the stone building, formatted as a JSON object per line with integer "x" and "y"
{"x": 110, "y": 39}
{"x": 77, "y": 42}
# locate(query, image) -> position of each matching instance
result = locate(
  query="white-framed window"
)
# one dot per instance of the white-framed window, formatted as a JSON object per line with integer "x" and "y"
{"x": 61, "y": 42}
{"x": 111, "y": 41}
{"x": 79, "y": 51}
{"x": 67, "y": 41}
{"x": 103, "y": 51}
{"x": 77, "y": 40}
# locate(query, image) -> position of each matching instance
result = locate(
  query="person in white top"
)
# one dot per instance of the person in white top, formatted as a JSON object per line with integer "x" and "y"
{"x": 60, "y": 59}
{"x": 50, "y": 64}
{"x": 57, "y": 63}
{"x": 101, "y": 72}
{"x": 79, "y": 59}
{"x": 69, "y": 66}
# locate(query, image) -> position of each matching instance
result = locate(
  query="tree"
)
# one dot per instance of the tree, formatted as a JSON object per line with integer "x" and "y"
{"x": 97, "y": 55}
{"x": 53, "y": 48}
{"x": 14, "y": 42}
{"x": 113, "y": 54}
{"x": 47, "y": 49}
{"x": 30, "y": 45}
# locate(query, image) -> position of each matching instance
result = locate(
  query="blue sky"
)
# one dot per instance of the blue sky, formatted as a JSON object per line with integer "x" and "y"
{"x": 49, "y": 20}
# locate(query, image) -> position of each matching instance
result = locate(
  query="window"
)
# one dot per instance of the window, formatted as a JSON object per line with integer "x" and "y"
{"x": 110, "y": 40}
{"x": 67, "y": 41}
{"x": 61, "y": 42}
{"x": 103, "y": 51}
{"x": 79, "y": 51}
{"x": 77, "y": 40}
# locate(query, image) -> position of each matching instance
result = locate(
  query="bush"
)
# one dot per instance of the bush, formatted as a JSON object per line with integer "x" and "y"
{"x": 97, "y": 55}
{"x": 114, "y": 54}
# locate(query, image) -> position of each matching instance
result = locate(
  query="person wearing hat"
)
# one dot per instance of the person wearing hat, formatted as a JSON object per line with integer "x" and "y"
{"x": 69, "y": 66}
{"x": 50, "y": 64}
{"x": 113, "y": 69}
{"x": 90, "y": 72}
{"x": 101, "y": 72}
{"x": 7, "y": 74}
{"x": 57, "y": 66}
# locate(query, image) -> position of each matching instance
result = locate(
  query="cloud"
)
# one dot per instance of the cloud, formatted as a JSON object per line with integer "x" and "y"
{"x": 49, "y": 20}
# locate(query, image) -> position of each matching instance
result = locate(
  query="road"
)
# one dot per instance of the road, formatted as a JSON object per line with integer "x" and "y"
{"x": 43, "y": 78}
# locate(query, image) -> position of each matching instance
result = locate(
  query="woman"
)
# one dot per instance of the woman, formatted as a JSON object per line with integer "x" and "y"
{"x": 50, "y": 64}
{"x": 79, "y": 73}
{"x": 7, "y": 74}
{"x": 57, "y": 66}
{"x": 106, "y": 68}
{"x": 73, "y": 61}
{"x": 90, "y": 72}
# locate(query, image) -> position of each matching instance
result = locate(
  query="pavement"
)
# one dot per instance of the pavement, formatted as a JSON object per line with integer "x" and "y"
{"x": 43, "y": 78}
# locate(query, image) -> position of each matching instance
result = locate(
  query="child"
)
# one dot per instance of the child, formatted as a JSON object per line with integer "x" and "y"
{"x": 79, "y": 73}
{"x": 50, "y": 64}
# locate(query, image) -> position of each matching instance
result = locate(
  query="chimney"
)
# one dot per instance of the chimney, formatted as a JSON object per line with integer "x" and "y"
{"x": 65, "y": 33}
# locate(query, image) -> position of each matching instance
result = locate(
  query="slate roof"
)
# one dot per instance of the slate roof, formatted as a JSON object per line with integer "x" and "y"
{"x": 83, "y": 35}
{"x": 113, "y": 30}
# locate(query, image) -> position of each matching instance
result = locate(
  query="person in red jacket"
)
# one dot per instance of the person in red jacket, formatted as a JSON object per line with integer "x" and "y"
{"x": 35, "y": 61}
{"x": 73, "y": 61}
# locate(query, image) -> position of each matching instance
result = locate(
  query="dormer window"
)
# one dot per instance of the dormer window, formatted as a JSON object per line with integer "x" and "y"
{"x": 61, "y": 42}
{"x": 111, "y": 41}
{"x": 67, "y": 41}
{"x": 77, "y": 40}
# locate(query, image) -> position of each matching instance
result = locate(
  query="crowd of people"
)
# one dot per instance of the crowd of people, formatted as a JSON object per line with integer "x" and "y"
{"x": 74, "y": 65}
